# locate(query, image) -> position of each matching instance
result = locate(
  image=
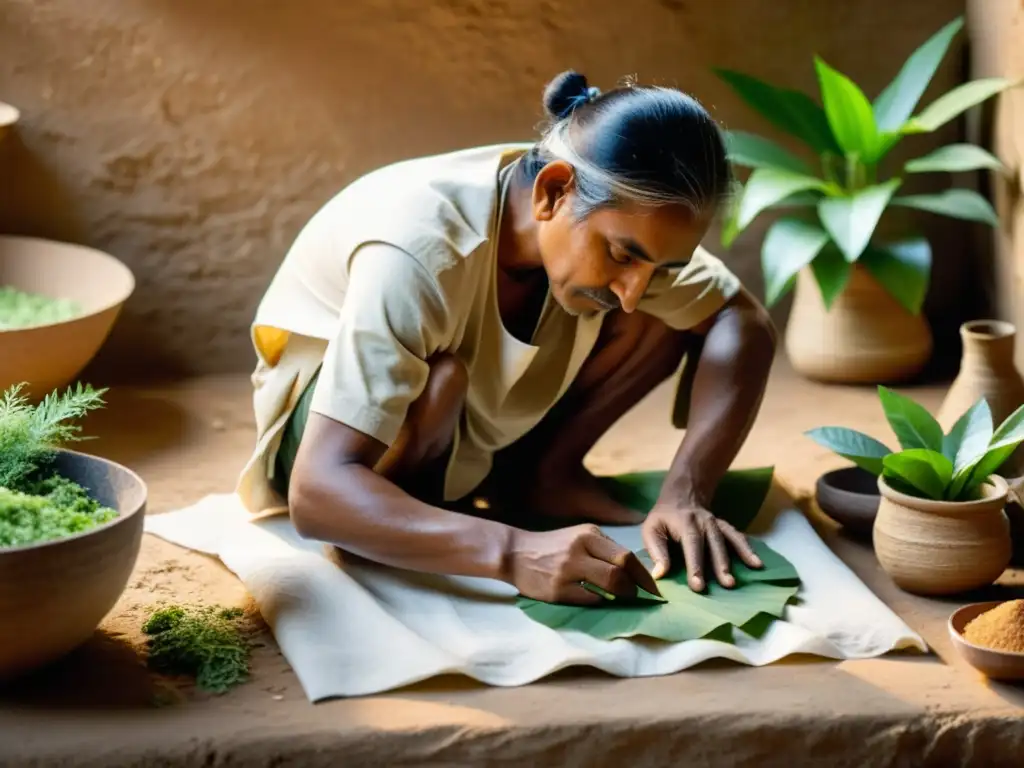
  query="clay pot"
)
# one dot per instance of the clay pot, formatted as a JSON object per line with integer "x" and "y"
{"x": 865, "y": 338}
{"x": 49, "y": 357}
{"x": 986, "y": 371}
{"x": 943, "y": 547}
{"x": 850, "y": 497}
{"x": 53, "y": 595}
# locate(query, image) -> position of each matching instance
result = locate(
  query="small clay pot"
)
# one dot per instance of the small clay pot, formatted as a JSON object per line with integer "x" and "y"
{"x": 987, "y": 371}
{"x": 850, "y": 497}
{"x": 943, "y": 547}
{"x": 53, "y": 595}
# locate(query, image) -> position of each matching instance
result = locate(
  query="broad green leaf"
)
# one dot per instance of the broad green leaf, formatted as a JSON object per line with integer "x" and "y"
{"x": 789, "y": 246}
{"x": 767, "y": 186}
{"x": 886, "y": 141}
{"x": 952, "y": 103}
{"x": 897, "y": 102}
{"x": 910, "y": 421}
{"x": 752, "y": 151}
{"x": 792, "y": 111}
{"x": 954, "y": 158}
{"x": 848, "y": 112}
{"x": 957, "y": 203}
{"x": 683, "y": 614}
{"x": 1005, "y": 440}
{"x": 737, "y": 499}
{"x": 832, "y": 273}
{"x": 903, "y": 269}
{"x": 852, "y": 220}
{"x": 863, "y": 450}
{"x": 928, "y": 471}
{"x": 969, "y": 437}
{"x": 799, "y": 200}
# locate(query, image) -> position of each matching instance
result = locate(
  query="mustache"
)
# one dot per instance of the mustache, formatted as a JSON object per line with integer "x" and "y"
{"x": 603, "y": 296}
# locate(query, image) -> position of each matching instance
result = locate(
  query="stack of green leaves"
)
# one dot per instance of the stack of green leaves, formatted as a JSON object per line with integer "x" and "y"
{"x": 19, "y": 309}
{"x": 759, "y": 597}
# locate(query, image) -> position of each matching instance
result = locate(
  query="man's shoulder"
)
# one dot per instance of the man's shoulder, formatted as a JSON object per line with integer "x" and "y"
{"x": 435, "y": 207}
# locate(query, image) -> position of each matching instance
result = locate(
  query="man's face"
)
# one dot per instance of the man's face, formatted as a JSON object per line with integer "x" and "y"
{"x": 606, "y": 260}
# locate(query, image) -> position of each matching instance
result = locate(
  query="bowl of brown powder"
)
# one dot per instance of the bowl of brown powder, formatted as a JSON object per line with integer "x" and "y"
{"x": 990, "y": 637}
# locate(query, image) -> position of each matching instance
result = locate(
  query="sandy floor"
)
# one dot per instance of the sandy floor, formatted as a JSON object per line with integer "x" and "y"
{"x": 101, "y": 707}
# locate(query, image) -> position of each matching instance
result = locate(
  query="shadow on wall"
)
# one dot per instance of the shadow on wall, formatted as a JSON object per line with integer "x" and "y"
{"x": 33, "y": 201}
{"x": 193, "y": 141}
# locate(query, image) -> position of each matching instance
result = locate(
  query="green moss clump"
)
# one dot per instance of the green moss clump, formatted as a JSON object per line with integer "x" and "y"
{"x": 62, "y": 509}
{"x": 37, "y": 504}
{"x": 203, "y": 642}
{"x": 19, "y": 309}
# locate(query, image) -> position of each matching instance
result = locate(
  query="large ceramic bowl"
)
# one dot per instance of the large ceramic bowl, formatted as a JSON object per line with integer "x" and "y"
{"x": 49, "y": 357}
{"x": 53, "y": 595}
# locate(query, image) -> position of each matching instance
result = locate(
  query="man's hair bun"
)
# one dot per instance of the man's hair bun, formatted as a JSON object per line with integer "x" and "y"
{"x": 566, "y": 92}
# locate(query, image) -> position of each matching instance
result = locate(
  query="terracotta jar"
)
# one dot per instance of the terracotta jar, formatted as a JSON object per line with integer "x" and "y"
{"x": 865, "y": 338}
{"x": 986, "y": 371}
{"x": 943, "y": 547}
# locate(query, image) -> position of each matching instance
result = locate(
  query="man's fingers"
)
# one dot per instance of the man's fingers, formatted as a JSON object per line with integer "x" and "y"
{"x": 692, "y": 539}
{"x": 626, "y": 562}
{"x": 719, "y": 555}
{"x": 741, "y": 545}
{"x": 656, "y": 541}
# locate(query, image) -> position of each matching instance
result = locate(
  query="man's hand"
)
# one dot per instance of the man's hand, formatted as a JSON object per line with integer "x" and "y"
{"x": 693, "y": 526}
{"x": 550, "y": 566}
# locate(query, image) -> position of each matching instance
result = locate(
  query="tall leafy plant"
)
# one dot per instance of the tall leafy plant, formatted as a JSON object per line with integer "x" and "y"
{"x": 932, "y": 465}
{"x": 844, "y": 190}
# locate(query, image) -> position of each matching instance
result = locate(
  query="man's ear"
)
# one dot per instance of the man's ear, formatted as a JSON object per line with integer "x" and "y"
{"x": 551, "y": 189}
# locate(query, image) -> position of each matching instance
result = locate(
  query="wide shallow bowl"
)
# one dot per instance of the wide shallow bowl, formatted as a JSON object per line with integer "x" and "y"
{"x": 997, "y": 665}
{"x": 8, "y": 116}
{"x": 48, "y": 357}
{"x": 53, "y": 595}
{"x": 850, "y": 497}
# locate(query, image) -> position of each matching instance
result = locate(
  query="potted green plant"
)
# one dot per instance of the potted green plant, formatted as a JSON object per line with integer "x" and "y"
{"x": 940, "y": 528}
{"x": 856, "y": 313}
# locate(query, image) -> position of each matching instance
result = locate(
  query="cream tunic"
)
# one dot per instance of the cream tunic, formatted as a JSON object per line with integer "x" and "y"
{"x": 399, "y": 266}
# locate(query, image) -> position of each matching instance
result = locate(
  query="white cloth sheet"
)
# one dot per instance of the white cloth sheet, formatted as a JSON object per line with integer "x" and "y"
{"x": 366, "y": 629}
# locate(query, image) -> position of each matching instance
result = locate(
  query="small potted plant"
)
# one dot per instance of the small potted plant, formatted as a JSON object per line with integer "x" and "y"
{"x": 856, "y": 314}
{"x": 940, "y": 528}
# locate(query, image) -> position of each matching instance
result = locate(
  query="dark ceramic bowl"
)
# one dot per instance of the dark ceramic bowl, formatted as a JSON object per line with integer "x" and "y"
{"x": 850, "y": 497}
{"x": 996, "y": 665}
{"x": 53, "y": 595}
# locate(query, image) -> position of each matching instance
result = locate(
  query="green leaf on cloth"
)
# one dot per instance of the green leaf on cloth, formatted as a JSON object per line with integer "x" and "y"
{"x": 738, "y": 498}
{"x": 759, "y": 597}
{"x": 683, "y": 614}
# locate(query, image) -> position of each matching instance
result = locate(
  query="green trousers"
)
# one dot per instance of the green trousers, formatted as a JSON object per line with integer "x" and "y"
{"x": 291, "y": 437}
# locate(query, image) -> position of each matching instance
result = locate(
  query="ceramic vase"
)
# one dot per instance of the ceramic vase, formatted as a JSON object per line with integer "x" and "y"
{"x": 867, "y": 337}
{"x": 942, "y": 547}
{"x": 986, "y": 371}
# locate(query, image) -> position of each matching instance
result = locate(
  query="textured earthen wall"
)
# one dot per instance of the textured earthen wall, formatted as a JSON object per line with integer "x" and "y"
{"x": 193, "y": 138}
{"x": 998, "y": 51}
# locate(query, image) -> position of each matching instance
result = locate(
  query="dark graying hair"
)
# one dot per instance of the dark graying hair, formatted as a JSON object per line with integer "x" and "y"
{"x": 643, "y": 144}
